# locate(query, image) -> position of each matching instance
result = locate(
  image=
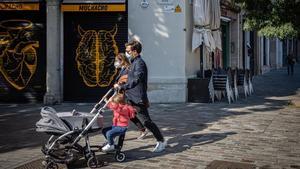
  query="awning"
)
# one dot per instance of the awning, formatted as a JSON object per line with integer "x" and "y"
{"x": 207, "y": 15}
{"x": 202, "y": 32}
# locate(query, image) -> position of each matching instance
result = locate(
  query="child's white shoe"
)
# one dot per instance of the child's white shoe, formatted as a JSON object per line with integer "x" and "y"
{"x": 108, "y": 147}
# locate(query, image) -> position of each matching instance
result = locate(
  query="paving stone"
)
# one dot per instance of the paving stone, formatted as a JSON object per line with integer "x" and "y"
{"x": 262, "y": 130}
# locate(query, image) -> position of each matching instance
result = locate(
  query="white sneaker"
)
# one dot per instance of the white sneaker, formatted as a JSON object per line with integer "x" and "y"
{"x": 108, "y": 147}
{"x": 160, "y": 146}
{"x": 143, "y": 135}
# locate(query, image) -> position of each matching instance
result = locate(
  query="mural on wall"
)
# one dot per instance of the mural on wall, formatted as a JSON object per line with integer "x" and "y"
{"x": 18, "y": 55}
{"x": 95, "y": 56}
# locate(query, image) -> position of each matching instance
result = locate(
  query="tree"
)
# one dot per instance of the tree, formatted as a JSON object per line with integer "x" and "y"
{"x": 272, "y": 18}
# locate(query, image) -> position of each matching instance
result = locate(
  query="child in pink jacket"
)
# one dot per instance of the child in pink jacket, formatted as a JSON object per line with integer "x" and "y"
{"x": 122, "y": 113}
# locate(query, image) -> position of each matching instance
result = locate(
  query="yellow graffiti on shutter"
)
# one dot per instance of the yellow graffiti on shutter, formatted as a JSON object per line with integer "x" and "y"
{"x": 95, "y": 55}
{"x": 18, "y": 57}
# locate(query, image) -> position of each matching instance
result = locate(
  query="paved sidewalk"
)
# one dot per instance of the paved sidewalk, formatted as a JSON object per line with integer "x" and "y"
{"x": 263, "y": 130}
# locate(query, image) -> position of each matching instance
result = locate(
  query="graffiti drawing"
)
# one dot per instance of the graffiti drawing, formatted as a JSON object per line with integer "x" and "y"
{"x": 95, "y": 56}
{"x": 18, "y": 55}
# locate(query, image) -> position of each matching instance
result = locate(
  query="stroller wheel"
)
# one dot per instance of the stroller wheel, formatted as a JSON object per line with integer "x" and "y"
{"x": 51, "y": 165}
{"x": 120, "y": 157}
{"x": 92, "y": 162}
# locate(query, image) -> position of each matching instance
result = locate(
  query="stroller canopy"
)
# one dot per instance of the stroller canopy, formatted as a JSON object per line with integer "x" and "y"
{"x": 50, "y": 122}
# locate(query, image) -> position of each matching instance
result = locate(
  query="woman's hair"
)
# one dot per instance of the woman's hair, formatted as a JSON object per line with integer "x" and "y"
{"x": 119, "y": 98}
{"x": 123, "y": 60}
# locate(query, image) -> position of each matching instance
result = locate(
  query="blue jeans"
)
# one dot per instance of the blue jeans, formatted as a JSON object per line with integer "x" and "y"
{"x": 111, "y": 132}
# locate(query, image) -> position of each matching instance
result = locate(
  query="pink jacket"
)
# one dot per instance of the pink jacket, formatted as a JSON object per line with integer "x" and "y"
{"x": 122, "y": 113}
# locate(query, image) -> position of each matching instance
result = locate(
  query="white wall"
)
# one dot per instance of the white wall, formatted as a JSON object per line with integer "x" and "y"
{"x": 236, "y": 35}
{"x": 240, "y": 41}
{"x": 247, "y": 59}
{"x": 264, "y": 68}
{"x": 275, "y": 53}
{"x": 279, "y": 54}
{"x": 192, "y": 63}
{"x": 163, "y": 37}
{"x": 234, "y": 43}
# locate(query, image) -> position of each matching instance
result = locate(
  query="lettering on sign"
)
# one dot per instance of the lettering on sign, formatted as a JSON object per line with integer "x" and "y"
{"x": 165, "y": 2}
{"x": 19, "y": 6}
{"x": 93, "y": 8}
{"x": 10, "y": 6}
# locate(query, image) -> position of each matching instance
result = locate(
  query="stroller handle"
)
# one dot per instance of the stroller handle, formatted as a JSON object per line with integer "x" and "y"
{"x": 98, "y": 105}
{"x": 97, "y": 110}
{"x": 107, "y": 93}
{"x": 93, "y": 111}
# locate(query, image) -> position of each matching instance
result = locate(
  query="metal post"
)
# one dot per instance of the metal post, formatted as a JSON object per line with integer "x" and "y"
{"x": 53, "y": 80}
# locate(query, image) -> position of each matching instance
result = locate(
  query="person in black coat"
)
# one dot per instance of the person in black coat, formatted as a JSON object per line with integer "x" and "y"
{"x": 122, "y": 63}
{"x": 136, "y": 91}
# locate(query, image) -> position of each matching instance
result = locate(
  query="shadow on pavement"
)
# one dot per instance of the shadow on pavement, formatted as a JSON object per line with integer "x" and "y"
{"x": 17, "y": 127}
{"x": 177, "y": 121}
{"x": 177, "y": 145}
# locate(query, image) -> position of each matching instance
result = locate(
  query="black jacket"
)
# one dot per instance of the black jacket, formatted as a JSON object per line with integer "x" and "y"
{"x": 136, "y": 86}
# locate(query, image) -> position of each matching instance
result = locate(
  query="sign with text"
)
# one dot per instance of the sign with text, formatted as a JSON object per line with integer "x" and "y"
{"x": 165, "y": 2}
{"x": 94, "y": 1}
{"x": 93, "y": 8}
{"x": 20, "y": 6}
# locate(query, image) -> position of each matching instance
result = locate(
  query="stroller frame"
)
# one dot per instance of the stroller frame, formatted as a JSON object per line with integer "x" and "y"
{"x": 87, "y": 151}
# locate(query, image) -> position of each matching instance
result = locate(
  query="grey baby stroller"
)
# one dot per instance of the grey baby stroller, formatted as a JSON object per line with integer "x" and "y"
{"x": 67, "y": 129}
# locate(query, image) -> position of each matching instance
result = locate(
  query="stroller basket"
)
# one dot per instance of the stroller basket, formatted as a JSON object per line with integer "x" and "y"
{"x": 79, "y": 120}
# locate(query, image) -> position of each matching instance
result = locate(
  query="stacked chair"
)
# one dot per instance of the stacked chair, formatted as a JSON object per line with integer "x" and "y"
{"x": 244, "y": 79}
{"x": 227, "y": 83}
{"x": 220, "y": 85}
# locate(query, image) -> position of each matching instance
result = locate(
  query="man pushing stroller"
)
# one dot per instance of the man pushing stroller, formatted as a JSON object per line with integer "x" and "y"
{"x": 136, "y": 91}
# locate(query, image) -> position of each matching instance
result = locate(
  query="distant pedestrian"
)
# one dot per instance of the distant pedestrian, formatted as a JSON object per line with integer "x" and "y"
{"x": 290, "y": 63}
{"x": 136, "y": 91}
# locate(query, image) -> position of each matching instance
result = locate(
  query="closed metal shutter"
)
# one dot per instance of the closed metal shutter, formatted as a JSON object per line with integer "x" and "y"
{"x": 22, "y": 51}
{"x": 93, "y": 34}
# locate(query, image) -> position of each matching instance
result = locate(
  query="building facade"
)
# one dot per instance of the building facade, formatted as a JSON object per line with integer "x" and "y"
{"x": 67, "y": 53}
